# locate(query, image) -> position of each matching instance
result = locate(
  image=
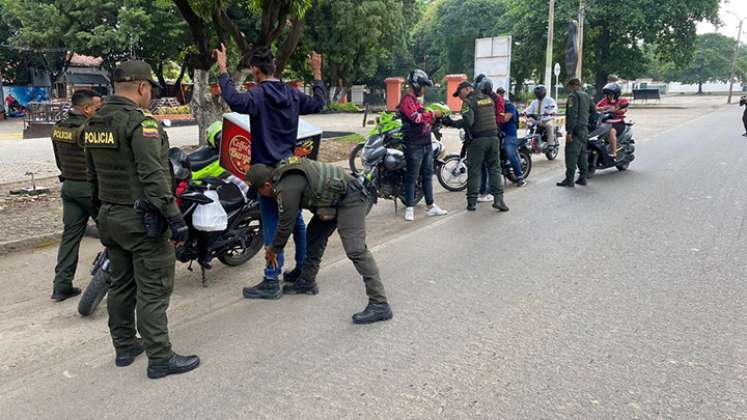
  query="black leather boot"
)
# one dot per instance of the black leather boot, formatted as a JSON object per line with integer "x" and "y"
{"x": 581, "y": 181}
{"x": 565, "y": 183}
{"x": 125, "y": 357}
{"x": 177, "y": 364}
{"x": 60, "y": 295}
{"x": 374, "y": 312}
{"x": 301, "y": 287}
{"x": 498, "y": 204}
{"x": 268, "y": 289}
{"x": 292, "y": 276}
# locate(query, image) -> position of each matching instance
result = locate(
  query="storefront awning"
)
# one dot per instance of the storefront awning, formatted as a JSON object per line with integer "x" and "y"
{"x": 93, "y": 79}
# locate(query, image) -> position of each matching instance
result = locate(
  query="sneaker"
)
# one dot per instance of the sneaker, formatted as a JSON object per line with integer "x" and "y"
{"x": 521, "y": 182}
{"x": 436, "y": 211}
{"x": 374, "y": 312}
{"x": 487, "y": 198}
{"x": 409, "y": 214}
{"x": 268, "y": 289}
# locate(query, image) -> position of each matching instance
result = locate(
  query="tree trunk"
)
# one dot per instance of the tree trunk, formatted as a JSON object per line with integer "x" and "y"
{"x": 290, "y": 44}
{"x": 239, "y": 77}
{"x": 206, "y": 108}
{"x": 161, "y": 80}
{"x": 700, "y": 88}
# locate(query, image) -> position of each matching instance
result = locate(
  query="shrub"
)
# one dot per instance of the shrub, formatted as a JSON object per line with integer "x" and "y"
{"x": 348, "y": 107}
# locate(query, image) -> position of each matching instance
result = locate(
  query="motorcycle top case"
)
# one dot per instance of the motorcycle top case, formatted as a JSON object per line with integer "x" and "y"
{"x": 210, "y": 217}
{"x": 236, "y": 143}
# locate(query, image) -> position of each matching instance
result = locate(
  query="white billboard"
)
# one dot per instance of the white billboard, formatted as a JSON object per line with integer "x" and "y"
{"x": 493, "y": 59}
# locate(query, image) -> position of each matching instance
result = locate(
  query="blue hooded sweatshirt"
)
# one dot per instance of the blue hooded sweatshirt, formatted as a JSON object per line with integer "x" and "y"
{"x": 273, "y": 108}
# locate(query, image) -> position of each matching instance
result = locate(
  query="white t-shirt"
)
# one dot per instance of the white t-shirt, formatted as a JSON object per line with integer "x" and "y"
{"x": 548, "y": 107}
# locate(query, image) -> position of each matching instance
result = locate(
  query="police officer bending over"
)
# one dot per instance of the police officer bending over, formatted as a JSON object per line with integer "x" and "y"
{"x": 128, "y": 168}
{"x": 338, "y": 202}
{"x": 479, "y": 122}
{"x": 77, "y": 205}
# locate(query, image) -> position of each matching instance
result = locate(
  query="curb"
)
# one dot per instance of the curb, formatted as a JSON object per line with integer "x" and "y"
{"x": 42, "y": 241}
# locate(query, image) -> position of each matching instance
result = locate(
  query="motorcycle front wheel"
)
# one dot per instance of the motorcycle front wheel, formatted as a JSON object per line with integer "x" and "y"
{"x": 452, "y": 175}
{"x": 355, "y": 161}
{"x": 94, "y": 293}
{"x": 253, "y": 241}
{"x": 552, "y": 152}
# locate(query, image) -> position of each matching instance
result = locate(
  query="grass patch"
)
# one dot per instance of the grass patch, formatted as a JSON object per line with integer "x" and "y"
{"x": 352, "y": 138}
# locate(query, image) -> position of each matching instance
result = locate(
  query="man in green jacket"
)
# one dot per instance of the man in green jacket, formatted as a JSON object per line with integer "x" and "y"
{"x": 578, "y": 113}
{"x": 338, "y": 202}
{"x": 77, "y": 204}
{"x": 129, "y": 172}
{"x": 480, "y": 126}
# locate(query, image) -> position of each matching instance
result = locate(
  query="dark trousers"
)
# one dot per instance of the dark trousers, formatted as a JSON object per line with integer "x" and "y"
{"x": 142, "y": 281}
{"x": 77, "y": 207}
{"x": 576, "y": 155}
{"x": 744, "y": 121}
{"x": 419, "y": 159}
{"x": 483, "y": 150}
{"x": 351, "y": 225}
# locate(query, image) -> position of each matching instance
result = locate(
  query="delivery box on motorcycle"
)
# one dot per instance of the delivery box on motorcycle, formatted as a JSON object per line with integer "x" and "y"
{"x": 236, "y": 141}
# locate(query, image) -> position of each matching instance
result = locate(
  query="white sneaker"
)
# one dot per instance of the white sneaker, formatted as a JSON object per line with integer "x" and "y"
{"x": 436, "y": 211}
{"x": 487, "y": 198}
{"x": 409, "y": 214}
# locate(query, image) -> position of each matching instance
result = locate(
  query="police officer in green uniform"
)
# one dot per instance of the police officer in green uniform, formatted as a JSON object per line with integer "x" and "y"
{"x": 338, "y": 202}
{"x": 77, "y": 205}
{"x": 479, "y": 122}
{"x": 128, "y": 168}
{"x": 578, "y": 113}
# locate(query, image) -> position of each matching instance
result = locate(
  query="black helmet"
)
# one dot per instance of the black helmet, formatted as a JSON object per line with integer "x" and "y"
{"x": 483, "y": 84}
{"x": 612, "y": 89}
{"x": 417, "y": 79}
{"x": 540, "y": 91}
{"x": 180, "y": 163}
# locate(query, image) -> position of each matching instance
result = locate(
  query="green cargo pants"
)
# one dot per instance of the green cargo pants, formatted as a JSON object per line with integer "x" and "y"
{"x": 576, "y": 155}
{"x": 77, "y": 207}
{"x": 141, "y": 281}
{"x": 351, "y": 225}
{"x": 484, "y": 149}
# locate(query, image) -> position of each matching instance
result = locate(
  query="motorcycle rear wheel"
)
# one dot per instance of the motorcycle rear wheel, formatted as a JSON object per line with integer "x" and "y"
{"x": 451, "y": 175}
{"x": 623, "y": 167}
{"x": 593, "y": 162}
{"x": 552, "y": 152}
{"x": 240, "y": 254}
{"x": 94, "y": 293}
{"x": 526, "y": 167}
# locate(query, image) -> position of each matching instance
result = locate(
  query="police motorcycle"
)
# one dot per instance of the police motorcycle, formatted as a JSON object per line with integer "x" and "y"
{"x": 599, "y": 148}
{"x": 536, "y": 137}
{"x": 383, "y": 157}
{"x": 232, "y": 234}
{"x": 452, "y": 175}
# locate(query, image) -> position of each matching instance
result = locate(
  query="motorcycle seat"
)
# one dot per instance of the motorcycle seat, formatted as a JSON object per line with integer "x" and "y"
{"x": 202, "y": 157}
{"x": 231, "y": 197}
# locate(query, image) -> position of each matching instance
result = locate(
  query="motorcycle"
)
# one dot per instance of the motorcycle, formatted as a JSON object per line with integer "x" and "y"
{"x": 234, "y": 246}
{"x": 599, "y": 148}
{"x": 452, "y": 175}
{"x": 537, "y": 137}
{"x": 383, "y": 157}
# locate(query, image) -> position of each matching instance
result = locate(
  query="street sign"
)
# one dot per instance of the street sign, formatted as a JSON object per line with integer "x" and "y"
{"x": 557, "y": 69}
{"x": 493, "y": 59}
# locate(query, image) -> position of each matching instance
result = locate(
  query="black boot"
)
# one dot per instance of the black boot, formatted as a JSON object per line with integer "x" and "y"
{"x": 127, "y": 356}
{"x": 566, "y": 183}
{"x": 374, "y": 312}
{"x": 268, "y": 289}
{"x": 498, "y": 204}
{"x": 177, "y": 364}
{"x": 581, "y": 181}
{"x": 60, "y": 295}
{"x": 471, "y": 205}
{"x": 301, "y": 287}
{"x": 293, "y": 275}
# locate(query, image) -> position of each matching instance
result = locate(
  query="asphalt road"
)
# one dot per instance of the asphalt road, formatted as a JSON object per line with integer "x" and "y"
{"x": 625, "y": 299}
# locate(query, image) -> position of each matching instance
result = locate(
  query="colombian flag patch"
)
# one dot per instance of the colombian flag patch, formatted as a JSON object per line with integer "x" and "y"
{"x": 151, "y": 133}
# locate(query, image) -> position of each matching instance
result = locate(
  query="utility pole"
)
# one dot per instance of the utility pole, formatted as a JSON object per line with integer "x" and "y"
{"x": 581, "y": 15}
{"x": 734, "y": 59}
{"x": 548, "y": 57}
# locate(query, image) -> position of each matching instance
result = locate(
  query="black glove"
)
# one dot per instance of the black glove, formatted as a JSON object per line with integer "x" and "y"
{"x": 447, "y": 121}
{"x": 179, "y": 230}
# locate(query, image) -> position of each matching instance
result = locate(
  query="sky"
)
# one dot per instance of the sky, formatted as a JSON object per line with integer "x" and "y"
{"x": 730, "y": 22}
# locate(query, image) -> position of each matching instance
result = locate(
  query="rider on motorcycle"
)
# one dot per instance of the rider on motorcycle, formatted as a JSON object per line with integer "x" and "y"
{"x": 416, "y": 129}
{"x": 545, "y": 107}
{"x": 612, "y": 102}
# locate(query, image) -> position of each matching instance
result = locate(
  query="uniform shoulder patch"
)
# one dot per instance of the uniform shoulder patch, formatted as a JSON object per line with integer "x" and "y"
{"x": 150, "y": 129}
{"x": 293, "y": 160}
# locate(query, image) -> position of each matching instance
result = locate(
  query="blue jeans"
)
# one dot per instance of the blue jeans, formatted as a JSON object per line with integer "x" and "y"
{"x": 419, "y": 159}
{"x": 511, "y": 146}
{"x": 268, "y": 209}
